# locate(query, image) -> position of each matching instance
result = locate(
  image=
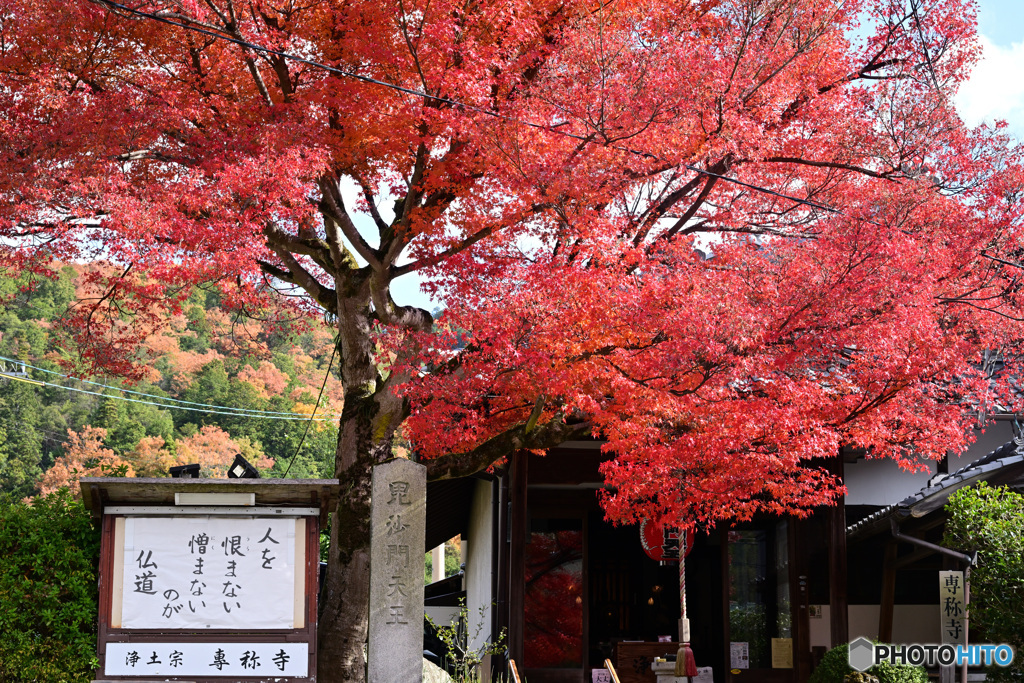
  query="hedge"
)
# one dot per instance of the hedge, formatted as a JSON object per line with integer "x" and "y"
{"x": 49, "y": 552}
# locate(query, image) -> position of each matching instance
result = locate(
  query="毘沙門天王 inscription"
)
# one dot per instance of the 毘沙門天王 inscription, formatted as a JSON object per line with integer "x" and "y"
{"x": 395, "y": 651}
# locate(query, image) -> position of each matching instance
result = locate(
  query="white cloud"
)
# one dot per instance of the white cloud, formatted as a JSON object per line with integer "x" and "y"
{"x": 996, "y": 88}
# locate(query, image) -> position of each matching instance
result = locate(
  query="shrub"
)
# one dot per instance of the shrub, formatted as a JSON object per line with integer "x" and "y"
{"x": 835, "y": 665}
{"x": 991, "y": 521}
{"x": 49, "y": 552}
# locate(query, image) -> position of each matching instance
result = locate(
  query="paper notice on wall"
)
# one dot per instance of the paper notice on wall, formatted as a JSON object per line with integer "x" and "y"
{"x": 704, "y": 675}
{"x": 739, "y": 655}
{"x": 782, "y": 653}
{"x": 209, "y": 573}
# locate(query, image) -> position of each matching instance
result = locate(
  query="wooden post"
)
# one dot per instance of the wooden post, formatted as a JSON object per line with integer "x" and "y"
{"x": 798, "y": 581}
{"x": 838, "y": 607}
{"x": 515, "y": 672}
{"x": 967, "y": 619}
{"x": 437, "y": 563}
{"x": 611, "y": 669}
{"x": 517, "y": 555}
{"x": 885, "y": 614}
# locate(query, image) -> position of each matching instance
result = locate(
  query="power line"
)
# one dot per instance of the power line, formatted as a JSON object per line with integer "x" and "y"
{"x": 163, "y": 405}
{"x": 240, "y": 411}
{"x": 445, "y": 100}
{"x": 315, "y": 406}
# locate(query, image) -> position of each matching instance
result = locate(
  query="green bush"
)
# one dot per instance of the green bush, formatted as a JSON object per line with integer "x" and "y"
{"x": 49, "y": 552}
{"x": 835, "y": 665}
{"x": 991, "y": 521}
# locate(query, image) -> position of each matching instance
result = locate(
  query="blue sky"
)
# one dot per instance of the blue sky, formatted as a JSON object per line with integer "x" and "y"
{"x": 996, "y": 88}
{"x": 1001, "y": 21}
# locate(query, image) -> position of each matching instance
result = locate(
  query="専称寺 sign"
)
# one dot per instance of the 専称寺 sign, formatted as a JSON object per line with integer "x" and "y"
{"x": 952, "y": 607}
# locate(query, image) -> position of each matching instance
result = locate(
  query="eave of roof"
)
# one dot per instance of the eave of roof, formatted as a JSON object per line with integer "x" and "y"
{"x": 99, "y": 492}
{"x": 1004, "y": 464}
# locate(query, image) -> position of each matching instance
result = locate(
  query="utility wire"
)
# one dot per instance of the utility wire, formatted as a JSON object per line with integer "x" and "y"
{"x": 164, "y": 405}
{"x": 445, "y": 100}
{"x": 315, "y": 406}
{"x": 245, "y": 412}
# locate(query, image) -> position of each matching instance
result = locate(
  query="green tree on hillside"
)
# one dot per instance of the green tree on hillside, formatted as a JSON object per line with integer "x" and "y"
{"x": 21, "y": 456}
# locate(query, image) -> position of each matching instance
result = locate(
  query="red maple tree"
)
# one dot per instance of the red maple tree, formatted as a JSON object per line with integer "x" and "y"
{"x": 560, "y": 172}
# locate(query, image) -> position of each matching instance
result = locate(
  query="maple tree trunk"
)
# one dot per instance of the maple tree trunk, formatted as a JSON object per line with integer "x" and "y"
{"x": 345, "y": 599}
{"x": 372, "y": 413}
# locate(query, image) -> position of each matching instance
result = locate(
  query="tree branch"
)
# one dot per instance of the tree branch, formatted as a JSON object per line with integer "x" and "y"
{"x": 832, "y": 164}
{"x": 333, "y": 206}
{"x": 517, "y": 438}
{"x": 297, "y": 275}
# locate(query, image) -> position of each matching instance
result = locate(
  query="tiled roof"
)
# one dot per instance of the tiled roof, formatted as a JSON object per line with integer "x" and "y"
{"x": 1004, "y": 464}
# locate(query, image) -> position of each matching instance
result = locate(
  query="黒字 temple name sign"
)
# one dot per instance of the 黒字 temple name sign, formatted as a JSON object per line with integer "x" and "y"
{"x": 208, "y": 659}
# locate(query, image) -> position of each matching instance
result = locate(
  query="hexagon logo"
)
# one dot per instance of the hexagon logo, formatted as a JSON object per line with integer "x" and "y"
{"x": 862, "y": 654}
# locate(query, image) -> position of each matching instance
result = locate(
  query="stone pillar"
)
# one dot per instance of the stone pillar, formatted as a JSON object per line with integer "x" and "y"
{"x": 398, "y": 514}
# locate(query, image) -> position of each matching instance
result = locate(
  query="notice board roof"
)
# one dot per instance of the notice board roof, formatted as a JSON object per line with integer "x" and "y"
{"x": 99, "y": 492}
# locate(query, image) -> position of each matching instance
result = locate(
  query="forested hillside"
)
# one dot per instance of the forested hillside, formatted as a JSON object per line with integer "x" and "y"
{"x": 204, "y": 366}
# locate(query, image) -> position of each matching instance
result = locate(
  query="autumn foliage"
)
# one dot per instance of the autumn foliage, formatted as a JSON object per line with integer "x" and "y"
{"x": 725, "y": 236}
{"x": 211, "y": 448}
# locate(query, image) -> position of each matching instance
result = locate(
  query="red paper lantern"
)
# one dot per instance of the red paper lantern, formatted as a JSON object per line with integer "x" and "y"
{"x": 661, "y": 543}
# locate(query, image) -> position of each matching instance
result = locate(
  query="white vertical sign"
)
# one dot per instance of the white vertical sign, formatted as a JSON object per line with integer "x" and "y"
{"x": 952, "y": 609}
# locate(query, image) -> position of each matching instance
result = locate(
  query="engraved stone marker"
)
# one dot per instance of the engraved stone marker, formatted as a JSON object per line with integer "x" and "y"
{"x": 399, "y": 508}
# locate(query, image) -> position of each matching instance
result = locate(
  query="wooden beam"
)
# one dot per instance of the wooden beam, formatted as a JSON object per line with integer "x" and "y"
{"x": 837, "y": 566}
{"x": 518, "y": 527}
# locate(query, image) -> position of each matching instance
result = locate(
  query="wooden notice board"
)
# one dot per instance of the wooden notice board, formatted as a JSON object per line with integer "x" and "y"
{"x": 208, "y": 591}
{"x": 633, "y": 660}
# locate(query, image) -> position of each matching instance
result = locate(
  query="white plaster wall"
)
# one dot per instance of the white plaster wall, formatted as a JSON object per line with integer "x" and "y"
{"x": 910, "y": 624}
{"x": 442, "y": 616}
{"x": 994, "y": 436}
{"x": 478, "y": 557}
{"x": 882, "y": 481}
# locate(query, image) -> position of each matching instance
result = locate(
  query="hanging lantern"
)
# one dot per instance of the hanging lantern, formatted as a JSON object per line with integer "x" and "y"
{"x": 661, "y": 543}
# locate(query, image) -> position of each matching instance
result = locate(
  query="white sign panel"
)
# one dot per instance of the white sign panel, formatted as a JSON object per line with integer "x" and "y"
{"x": 208, "y": 572}
{"x": 208, "y": 659}
{"x": 951, "y": 607}
{"x": 739, "y": 655}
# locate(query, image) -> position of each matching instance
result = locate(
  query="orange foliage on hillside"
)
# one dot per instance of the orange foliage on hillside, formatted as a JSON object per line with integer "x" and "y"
{"x": 211, "y": 447}
{"x": 85, "y": 456}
